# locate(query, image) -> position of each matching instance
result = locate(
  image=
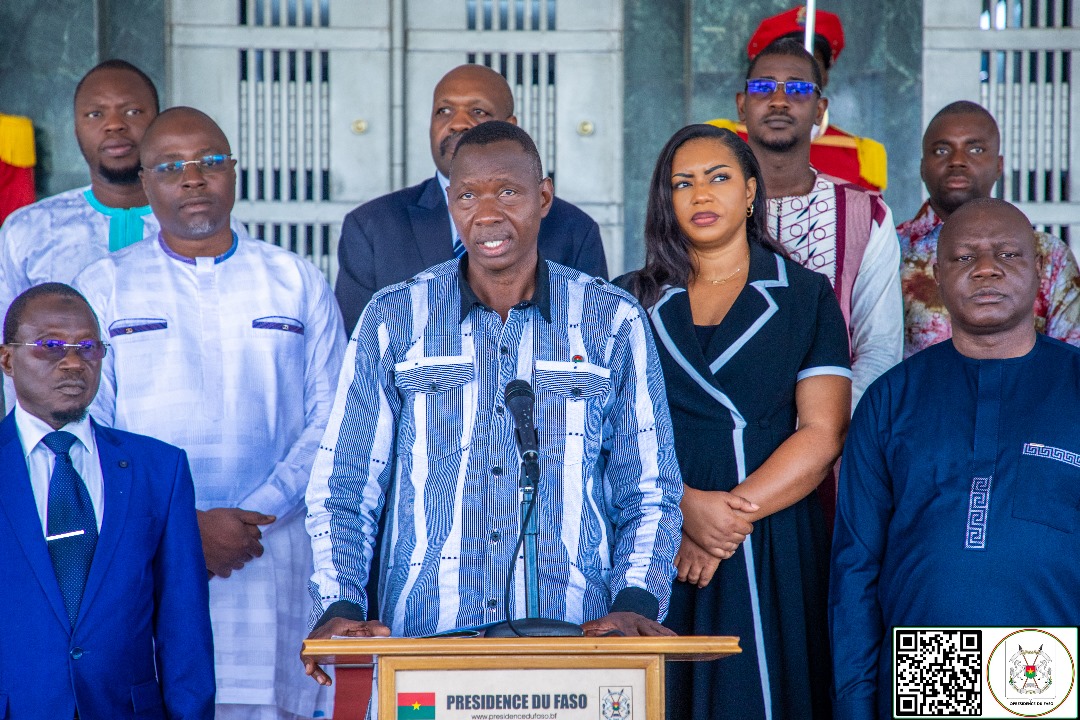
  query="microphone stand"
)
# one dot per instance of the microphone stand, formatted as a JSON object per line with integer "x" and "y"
{"x": 530, "y": 474}
{"x": 533, "y": 625}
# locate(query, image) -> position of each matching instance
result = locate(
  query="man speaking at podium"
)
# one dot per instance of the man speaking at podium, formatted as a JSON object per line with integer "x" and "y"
{"x": 420, "y": 423}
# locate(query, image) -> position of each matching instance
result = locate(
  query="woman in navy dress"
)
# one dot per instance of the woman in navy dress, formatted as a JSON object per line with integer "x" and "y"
{"x": 756, "y": 363}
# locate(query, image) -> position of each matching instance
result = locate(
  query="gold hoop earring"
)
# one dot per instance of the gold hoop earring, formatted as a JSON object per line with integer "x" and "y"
{"x": 750, "y": 211}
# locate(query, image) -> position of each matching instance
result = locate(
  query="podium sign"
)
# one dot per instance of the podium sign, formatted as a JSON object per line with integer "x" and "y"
{"x": 495, "y": 693}
{"x": 606, "y": 678}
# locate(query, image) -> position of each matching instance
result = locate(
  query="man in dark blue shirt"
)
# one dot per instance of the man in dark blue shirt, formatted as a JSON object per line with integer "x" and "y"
{"x": 960, "y": 482}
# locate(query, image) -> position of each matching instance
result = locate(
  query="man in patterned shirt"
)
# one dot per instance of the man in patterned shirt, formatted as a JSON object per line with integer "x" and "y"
{"x": 843, "y": 231}
{"x": 961, "y": 162}
{"x": 419, "y": 424}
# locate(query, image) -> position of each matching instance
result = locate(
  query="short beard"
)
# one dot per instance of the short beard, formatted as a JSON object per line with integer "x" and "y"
{"x": 120, "y": 176}
{"x": 199, "y": 230}
{"x": 63, "y": 417}
{"x": 950, "y": 203}
{"x": 779, "y": 146}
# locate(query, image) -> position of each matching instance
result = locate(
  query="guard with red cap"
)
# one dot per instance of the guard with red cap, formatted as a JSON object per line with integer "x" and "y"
{"x": 834, "y": 152}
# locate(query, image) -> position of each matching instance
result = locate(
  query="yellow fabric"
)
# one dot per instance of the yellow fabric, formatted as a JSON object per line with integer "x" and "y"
{"x": 735, "y": 127}
{"x": 17, "y": 141}
{"x": 843, "y": 141}
{"x": 873, "y": 163}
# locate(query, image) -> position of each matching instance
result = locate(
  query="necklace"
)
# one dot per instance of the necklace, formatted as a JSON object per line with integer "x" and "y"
{"x": 736, "y": 271}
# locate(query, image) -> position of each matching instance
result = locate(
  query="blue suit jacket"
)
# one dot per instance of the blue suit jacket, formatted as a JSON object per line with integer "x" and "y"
{"x": 394, "y": 237}
{"x": 141, "y": 646}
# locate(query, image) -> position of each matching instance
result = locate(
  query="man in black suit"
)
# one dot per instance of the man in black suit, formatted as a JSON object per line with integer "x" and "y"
{"x": 393, "y": 237}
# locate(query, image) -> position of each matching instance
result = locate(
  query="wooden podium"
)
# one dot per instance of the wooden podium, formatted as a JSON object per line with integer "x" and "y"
{"x": 561, "y": 678}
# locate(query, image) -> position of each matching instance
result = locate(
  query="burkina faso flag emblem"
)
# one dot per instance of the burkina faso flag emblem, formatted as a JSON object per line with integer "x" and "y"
{"x": 416, "y": 706}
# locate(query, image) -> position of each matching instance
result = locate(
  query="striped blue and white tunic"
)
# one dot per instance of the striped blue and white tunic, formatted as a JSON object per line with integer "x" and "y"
{"x": 419, "y": 426}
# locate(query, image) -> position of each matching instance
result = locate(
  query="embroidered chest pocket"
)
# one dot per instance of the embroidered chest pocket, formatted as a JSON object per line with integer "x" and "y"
{"x": 1048, "y": 491}
{"x": 139, "y": 343}
{"x": 270, "y": 325}
{"x": 574, "y": 393}
{"x": 436, "y": 391}
{"x": 135, "y": 329}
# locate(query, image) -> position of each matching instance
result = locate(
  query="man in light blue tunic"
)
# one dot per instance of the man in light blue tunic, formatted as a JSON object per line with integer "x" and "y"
{"x": 959, "y": 496}
{"x": 55, "y": 238}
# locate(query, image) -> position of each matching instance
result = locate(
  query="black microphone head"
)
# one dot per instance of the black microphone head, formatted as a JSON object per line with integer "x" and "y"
{"x": 518, "y": 392}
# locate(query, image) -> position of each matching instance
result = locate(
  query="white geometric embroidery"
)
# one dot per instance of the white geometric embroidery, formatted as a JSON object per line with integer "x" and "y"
{"x": 978, "y": 512}
{"x": 806, "y": 225}
{"x": 1052, "y": 453}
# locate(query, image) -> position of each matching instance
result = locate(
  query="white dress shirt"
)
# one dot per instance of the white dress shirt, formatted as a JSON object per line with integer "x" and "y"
{"x": 444, "y": 183}
{"x": 40, "y": 460}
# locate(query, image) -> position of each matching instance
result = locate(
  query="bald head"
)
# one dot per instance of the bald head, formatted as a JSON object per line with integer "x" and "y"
{"x": 986, "y": 216}
{"x": 465, "y": 97}
{"x": 189, "y": 178}
{"x": 182, "y": 120}
{"x": 483, "y": 81}
{"x": 988, "y": 274}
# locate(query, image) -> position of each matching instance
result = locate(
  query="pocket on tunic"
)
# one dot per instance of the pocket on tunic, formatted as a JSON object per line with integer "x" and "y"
{"x": 135, "y": 329}
{"x": 578, "y": 381}
{"x": 1048, "y": 487}
{"x": 573, "y": 395}
{"x": 137, "y": 346}
{"x": 433, "y": 375}
{"x": 277, "y": 324}
{"x": 439, "y": 388}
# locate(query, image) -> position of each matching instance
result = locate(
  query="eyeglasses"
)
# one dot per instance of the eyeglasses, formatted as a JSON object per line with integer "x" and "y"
{"x": 797, "y": 88}
{"x": 56, "y": 350}
{"x": 206, "y": 164}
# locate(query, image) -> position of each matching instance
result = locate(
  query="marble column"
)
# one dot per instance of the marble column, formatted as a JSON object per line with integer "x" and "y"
{"x": 45, "y": 48}
{"x": 875, "y": 88}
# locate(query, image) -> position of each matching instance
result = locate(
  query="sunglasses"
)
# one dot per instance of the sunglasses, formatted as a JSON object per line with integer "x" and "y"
{"x": 57, "y": 350}
{"x": 174, "y": 169}
{"x": 796, "y": 88}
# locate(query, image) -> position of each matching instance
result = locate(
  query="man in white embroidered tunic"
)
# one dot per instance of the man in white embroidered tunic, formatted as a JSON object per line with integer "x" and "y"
{"x": 841, "y": 230}
{"x": 960, "y": 481}
{"x": 419, "y": 424}
{"x": 228, "y": 347}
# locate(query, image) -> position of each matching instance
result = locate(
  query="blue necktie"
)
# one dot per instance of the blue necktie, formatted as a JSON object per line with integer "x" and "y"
{"x": 71, "y": 527}
{"x": 459, "y": 247}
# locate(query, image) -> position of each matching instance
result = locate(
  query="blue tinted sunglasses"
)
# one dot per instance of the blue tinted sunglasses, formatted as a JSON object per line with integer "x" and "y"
{"x": 56, "y": 350}
{"x": 795, "y": 88}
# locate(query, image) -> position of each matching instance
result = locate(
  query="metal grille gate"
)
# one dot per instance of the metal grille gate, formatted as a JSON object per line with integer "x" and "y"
{"x": 1016, "y": 58}
{"x": 327, "y": 102}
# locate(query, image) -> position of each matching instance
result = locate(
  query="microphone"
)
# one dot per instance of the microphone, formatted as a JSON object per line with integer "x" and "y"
{"x": 519, "y": 398}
